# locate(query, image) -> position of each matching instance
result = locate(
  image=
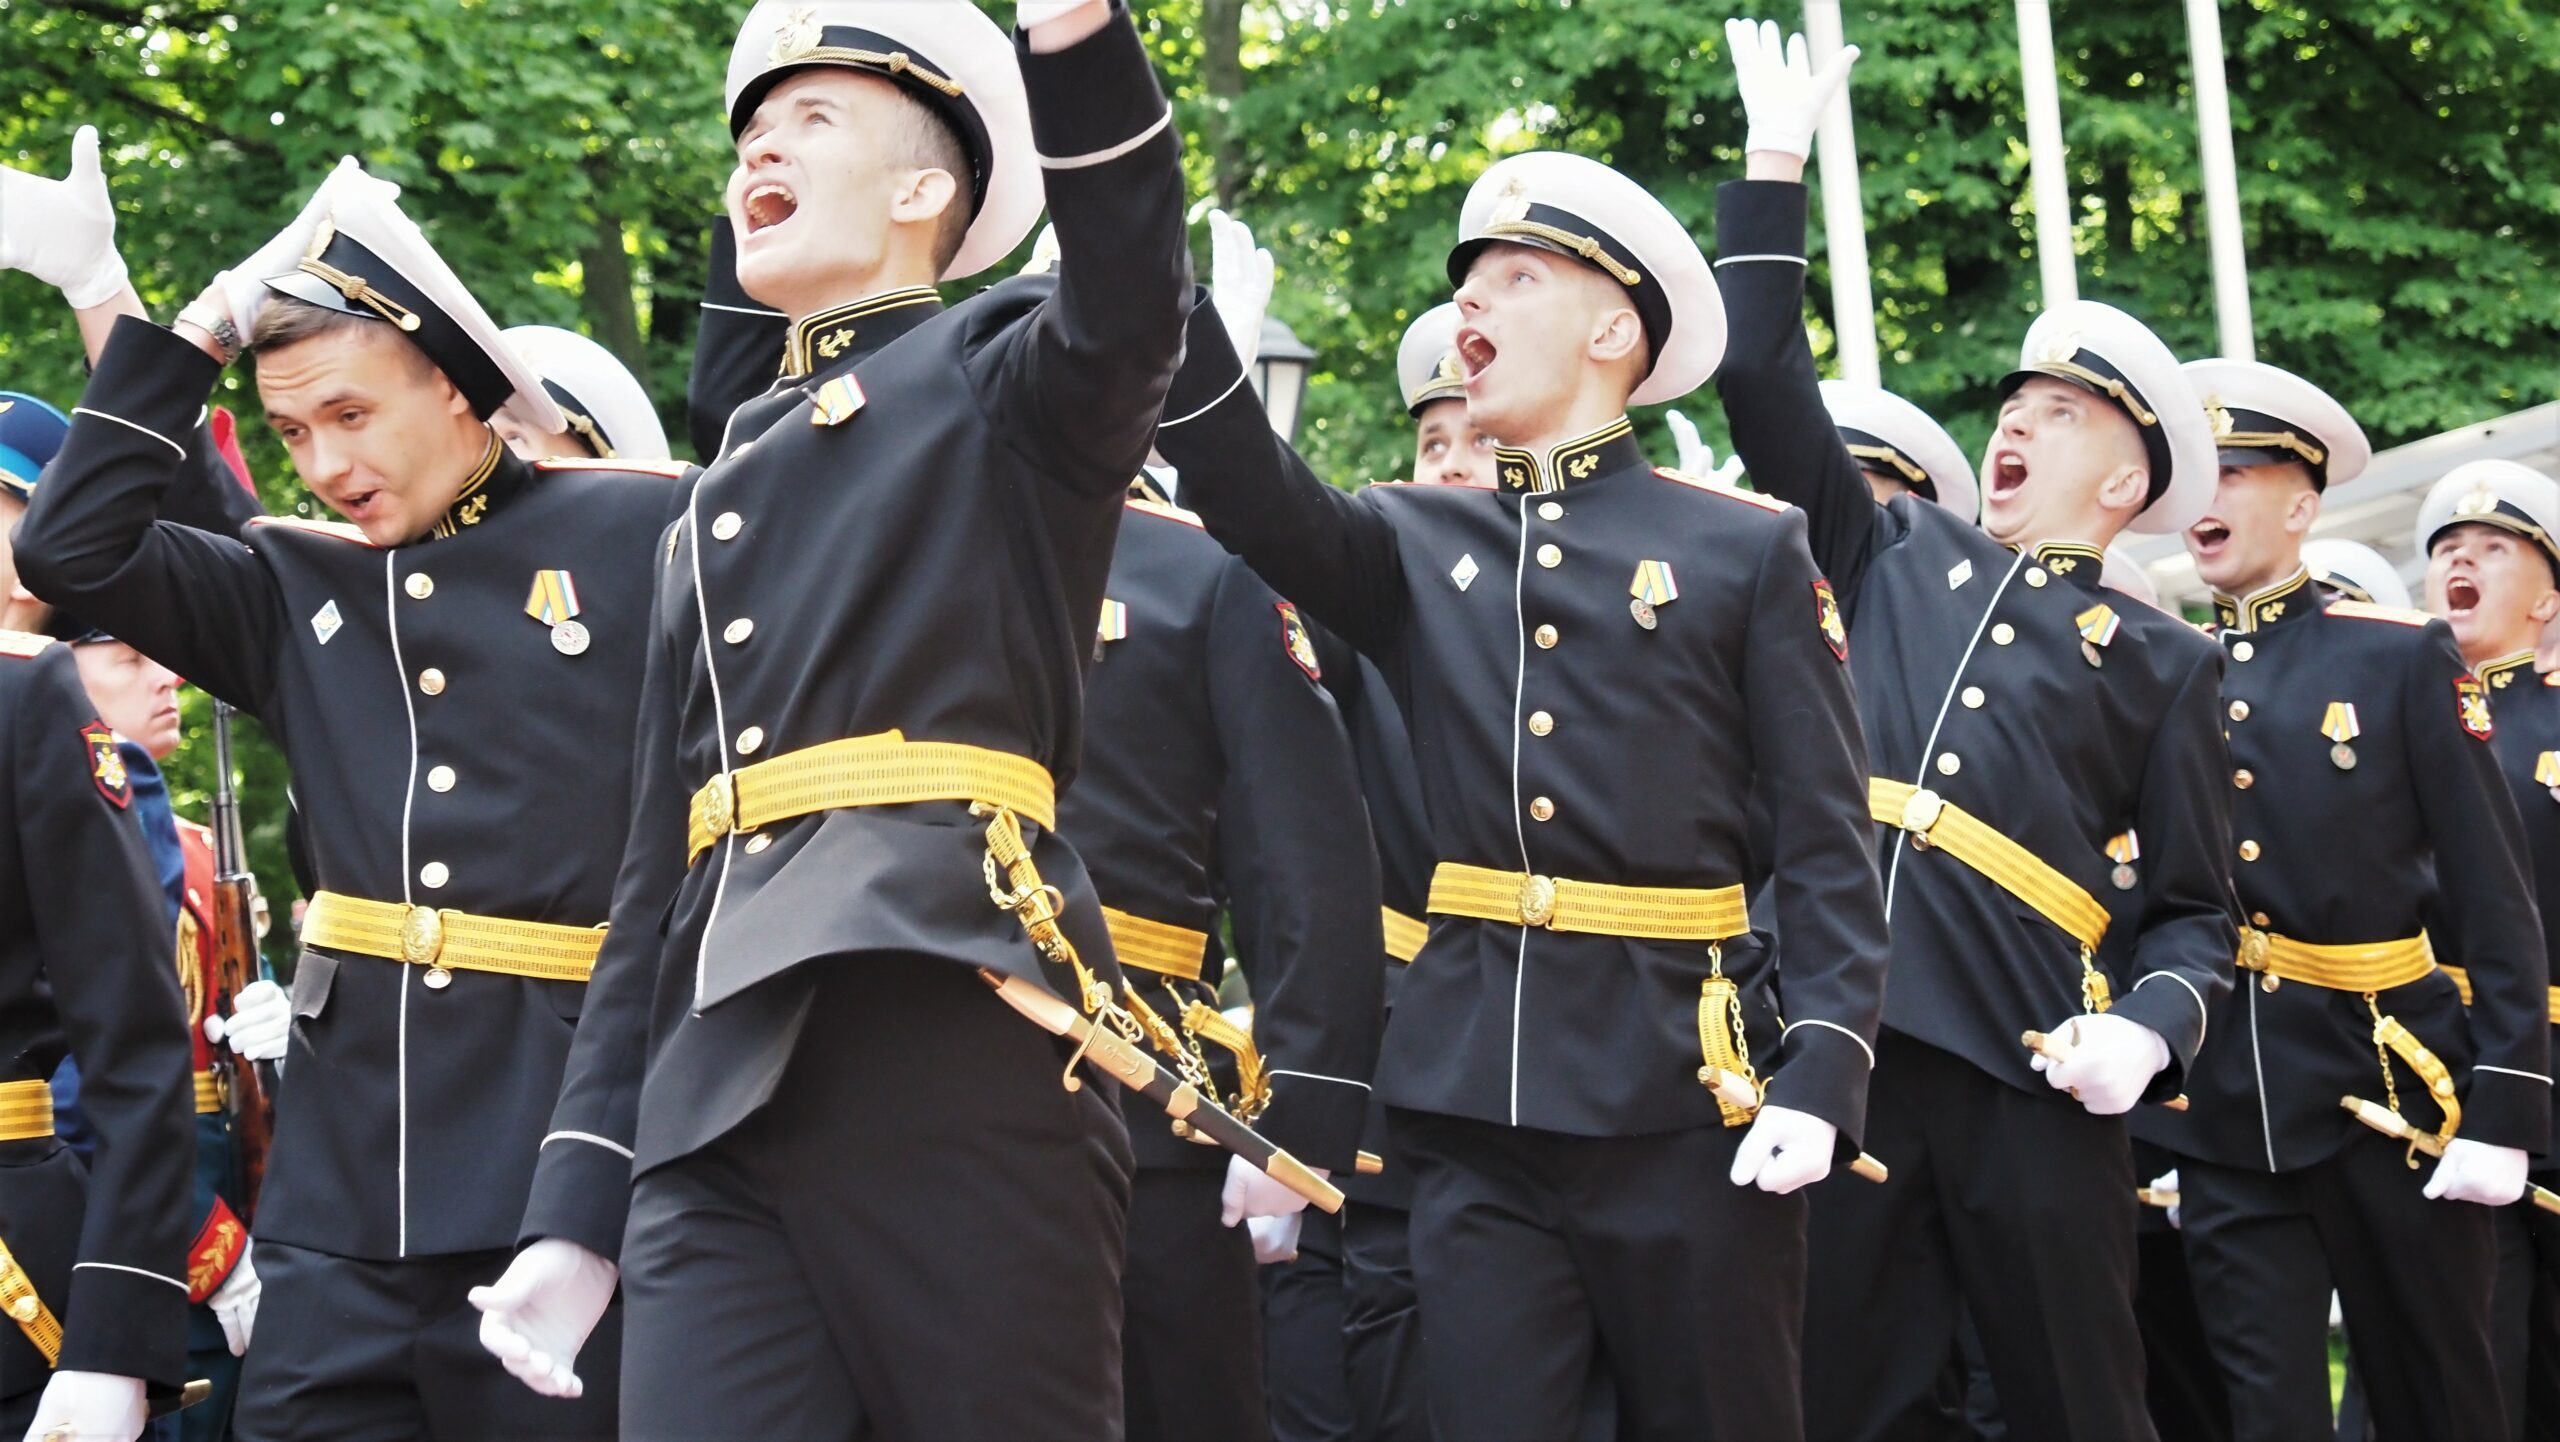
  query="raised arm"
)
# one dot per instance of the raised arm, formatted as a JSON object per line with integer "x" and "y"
{"x": 735, "y": 353}
{"x": 1300, "y": 877}
{"x": 1081, "y": 384}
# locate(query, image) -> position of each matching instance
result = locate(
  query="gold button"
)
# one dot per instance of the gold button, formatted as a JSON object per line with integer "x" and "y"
{"x": 431, "y": 681}
{"x": 1540, "y": 723}
{"x": 738, "y": 630}
{"x": 2259, "y": 918}
{"x": 1973, "y": 698}
{"x": 2242, "y": 651}
{"x": 1550, "y": 556}
{"x": 2003, "y": 634}
{"x": 726, "y": 525}
{"x": 1546, "y": 638}
{"x": 1550, "y": 511}
{"x": 759, "y": 842}
{"x": 2244, "y": 778}
{"x": 1949, "y": 764}
{"x": 2248, "y": 851}
{"x": 1540, "y": 808}
{"x": 434, "y": 874}
{"x": 2035, "y": 575}
{"x": 440, "y": 779}
{"x": 421, "y": 586}
{"x": 2239, "y": 710}
{"x": 749, "y": 740}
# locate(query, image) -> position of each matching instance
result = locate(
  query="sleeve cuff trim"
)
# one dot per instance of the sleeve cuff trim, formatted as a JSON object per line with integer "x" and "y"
{"x": 1319, "y": 1076}
{"x": 591, "y": 1139}
{"x": 133, "y": 426}
{"x": 742, "y": 309}
{"x": 137, "y": 1271}
{"x": 1835, "y": 1026}
{"x": 2203, "y": 1017}
{"x": 2511, "y": 1071}
{"x": 1204, "y": 410}
{"x": 1105, "y": 157}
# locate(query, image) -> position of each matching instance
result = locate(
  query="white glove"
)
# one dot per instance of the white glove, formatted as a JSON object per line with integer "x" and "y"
{"x": 2478, "y": 1172}
{"x": 1030, "y": 15}
{"x": 1044, "y": 253}
{"x": 1239, "y": 283}
{"x": 2168, "y": 1182}
{"x": 2106, "y": 1062}
{"x": 1697, "y": 458}
{"x": 1251, "y": 1192}
{"x": 235, "y": 1302}
{"x": 261, "y": 1019}
{"x": 1785, "y": 1149}
{"x": 244, "y": 286}
{"x": 536, "y": 1317}
{"x": 1783, "y": 96}
{"x": 63, "y": 232}
{"x": 90, "y": 1407}
{"x": 1275, "y": 1239}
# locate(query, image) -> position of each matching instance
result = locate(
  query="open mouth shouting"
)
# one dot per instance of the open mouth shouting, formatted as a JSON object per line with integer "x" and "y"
{"x": 2461, "y": 595}
{"x": 2207, "y": 538}
{"x": 1475, "y": 353}
{"x": 768, "y": 203}
{"x": 2004, "y": 477}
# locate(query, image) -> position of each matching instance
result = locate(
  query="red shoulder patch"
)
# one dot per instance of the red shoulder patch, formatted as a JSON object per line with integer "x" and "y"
{"x": 1826, "y": 614}
{"x": 2471, "y": 704}
{"x": 106, "y": 764}
{"x": 1300, "y": 645}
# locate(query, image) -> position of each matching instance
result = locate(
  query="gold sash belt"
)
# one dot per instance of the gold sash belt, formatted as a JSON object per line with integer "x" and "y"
{"x": 2358, "y": 967}
{"x": 885, "y": 769}
{"x": 1937, "y": 823}
{"x": 450, "y": 940}
{"x": 1157, "y": 946}
{"x": 1659, "y": 913}
{"x": 1404, "y": 934}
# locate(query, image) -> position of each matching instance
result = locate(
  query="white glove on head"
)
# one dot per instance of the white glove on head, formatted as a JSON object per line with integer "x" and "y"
{"x": 1783, "y": 96}
{"x": 1251, "y": 1192}
{"x": 2478, "y": 1172}
{"x": 536, "y": 1317}
{"x": 261, "y": 1020}
{"x": 1240, "y": 276}
{"x": 1785, "y": 1149}
{"x": 235, "y": 1302}
{"x": 1275, "y": 1239}
{"x": 63, "y": 232}
{"x": 2106, "y": 1062}
{"x": 90, "y": 1406}
{"x": 244, "y": 286}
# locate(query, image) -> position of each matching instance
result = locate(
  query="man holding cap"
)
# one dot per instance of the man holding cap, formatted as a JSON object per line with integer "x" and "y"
{"x": 449, "y": 675}
{"x": 1586, "y": 1068}
{"x": 2018, "y": 718}
{"x": 2365, "y": 793}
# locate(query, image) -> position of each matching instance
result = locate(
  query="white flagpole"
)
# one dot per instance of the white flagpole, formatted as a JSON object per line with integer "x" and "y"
{"x": 1844, "y": 222}
{"x": 2221, "y": 183}
{"x": 2052, "y": 189}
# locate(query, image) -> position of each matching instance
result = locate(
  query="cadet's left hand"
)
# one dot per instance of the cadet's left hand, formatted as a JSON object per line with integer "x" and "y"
{"x": 536, "y": 1317}
{"x": 2478, "y": 1172}
{"x": 63, "y": 232}
{"x": 2107, "y": 1062}
{"x": 235, "y": 1302}
{"x": 1784, "y": 1150}
{"x": 90, "y": 1407}
{"x": 1251, "y": 1192}
{"x": 1783, "y": 96}
{"x": 1275, "y": 1239}
{"x": 1697, "y": 458}
{"x": 1239, "y": 283}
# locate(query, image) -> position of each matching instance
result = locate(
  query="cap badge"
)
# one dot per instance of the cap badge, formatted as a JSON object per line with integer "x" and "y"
{"x": 2061, "y": 350}
{"x": 2220, "y": 415}
{"x": 2340, "y": 725}
{"x": 2471, "y": 704}
{"x": 2480, "y": 500}
{"x": 1448, "y": 369}
{"x": 1513, "y": 209}
{"x": 798, "y": 34}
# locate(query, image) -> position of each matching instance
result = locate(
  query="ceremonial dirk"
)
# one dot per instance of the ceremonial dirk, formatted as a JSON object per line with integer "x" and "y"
{"x": 1738, "y": 1091}
{"x": 2055, "y": 1049}
{"x": 2395, "y": 1126}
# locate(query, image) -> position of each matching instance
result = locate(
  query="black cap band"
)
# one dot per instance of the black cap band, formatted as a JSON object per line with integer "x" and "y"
{"x": 2093, "y": 373}
{"x": 2261, "y": 438}
{"x": 350, "y": 279}
{"x": 849, "y": 47}
{"x": 1562, "y": 232}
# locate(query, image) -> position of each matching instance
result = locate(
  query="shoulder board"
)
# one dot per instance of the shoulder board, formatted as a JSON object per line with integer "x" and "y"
{"x": 2367, "y": 611}
{"x": 339, "y": 530}
{"x": 1766, "y": 503}
{"x": 23, "y": 643}
{"x": 672, "y": 470}
{"x": 1404, "y": 485}
{"x": 1170, "y": 513}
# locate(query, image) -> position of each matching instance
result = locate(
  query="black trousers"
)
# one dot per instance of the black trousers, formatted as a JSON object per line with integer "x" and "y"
{"x": 1305, "y": 1367}
{"x": 2016, "y": 1207}
{"x": 2525, "y": 1317}
{"x": 919, "y": 1237}
{"x": 1382, "y": 1326}
{"x": 1535, "y": 1252}
{"x": 1193, "y": 1339}
{"x": 359, "y": 1351}
{"x": 2413, "y": 1278}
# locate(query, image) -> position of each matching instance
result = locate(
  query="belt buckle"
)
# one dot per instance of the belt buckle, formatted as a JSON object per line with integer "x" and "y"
{"x": 1537, "y": 900}
{"x": 1920, "y": 814}
{"x": 422, "y": 944}
{"x": 720, "y": 805}
{"x": 2254, "y": 948}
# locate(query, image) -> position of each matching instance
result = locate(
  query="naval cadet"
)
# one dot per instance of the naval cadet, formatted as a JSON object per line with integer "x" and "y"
{"x": 2357, "y": 572}
{"x": 485, "y": 615}
{"x": 2488, "y": 530}
{"x": 2018, "y": 719}
{"x": 873, "y": 623}
{"x": 1599, "y": 662}
{"x": 608, "y": 413}
{"x": 2348, "y": 720}
{"x": 1900, "y": 448}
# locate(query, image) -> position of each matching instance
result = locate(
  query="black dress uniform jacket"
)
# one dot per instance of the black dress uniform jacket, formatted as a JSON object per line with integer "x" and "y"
{"x": 1554, "y": 734}
{"x": 84, "y": 968}
{"x": 444, "y": 753}
{"x": 932, "y": 563}
{"x": 1216, "y": 767}
{"x": 1973, "y": 682}
{"x": 2341, "y": 855}
{"x": 2525, "y": 705}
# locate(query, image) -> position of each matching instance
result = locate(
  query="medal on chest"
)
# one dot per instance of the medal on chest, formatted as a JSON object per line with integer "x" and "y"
{"x": 554, "y": 603}
{"x": 1652, "y": 588}
{"x": 2340, "y": 725}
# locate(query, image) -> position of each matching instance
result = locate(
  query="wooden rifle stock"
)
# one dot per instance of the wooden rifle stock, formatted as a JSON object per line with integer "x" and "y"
{"x": 246, "y": 1089}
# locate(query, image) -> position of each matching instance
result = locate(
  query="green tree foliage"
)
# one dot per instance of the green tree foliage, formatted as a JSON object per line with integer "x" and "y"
{"x": 2400, "y": 174}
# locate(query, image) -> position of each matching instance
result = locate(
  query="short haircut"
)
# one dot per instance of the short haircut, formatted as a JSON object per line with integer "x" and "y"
{"x": 923, "y": 140}
{"x": 284, "y": 321}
